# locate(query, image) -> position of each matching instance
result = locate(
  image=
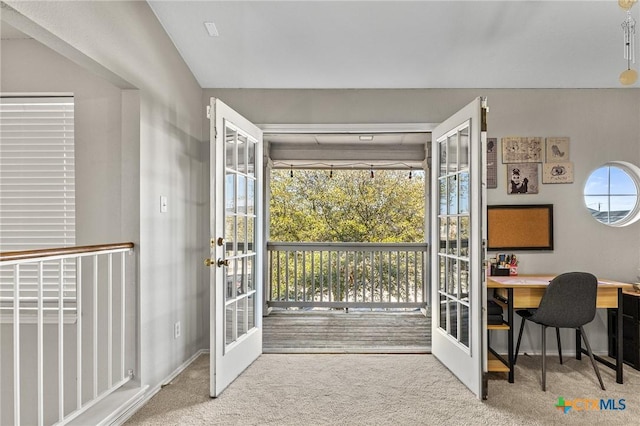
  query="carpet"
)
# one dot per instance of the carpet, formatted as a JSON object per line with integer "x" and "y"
{"x": 322, "y": 389}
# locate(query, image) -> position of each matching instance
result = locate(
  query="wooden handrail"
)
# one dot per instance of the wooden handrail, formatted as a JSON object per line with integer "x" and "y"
{"x": 60, "y": 251}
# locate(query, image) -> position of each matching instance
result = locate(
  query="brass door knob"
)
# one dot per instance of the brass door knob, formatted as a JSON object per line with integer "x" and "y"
{"x": 208, "y": 262}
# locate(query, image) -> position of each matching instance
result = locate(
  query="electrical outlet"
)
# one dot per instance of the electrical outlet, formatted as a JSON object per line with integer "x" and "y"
{"x": 176, "y": 330}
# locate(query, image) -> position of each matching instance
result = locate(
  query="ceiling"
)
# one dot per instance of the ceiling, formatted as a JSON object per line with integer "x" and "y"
{"x": 399, "y": 44}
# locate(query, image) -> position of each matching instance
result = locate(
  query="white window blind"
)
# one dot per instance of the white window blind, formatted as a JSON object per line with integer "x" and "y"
{"x": 37, "y": 189}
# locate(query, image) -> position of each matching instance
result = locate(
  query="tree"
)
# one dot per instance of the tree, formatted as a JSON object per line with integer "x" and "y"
{"x": 349, "y": 206}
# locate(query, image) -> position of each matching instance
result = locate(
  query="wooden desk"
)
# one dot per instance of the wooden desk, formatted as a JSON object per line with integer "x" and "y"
{"x": 525, "y": 291}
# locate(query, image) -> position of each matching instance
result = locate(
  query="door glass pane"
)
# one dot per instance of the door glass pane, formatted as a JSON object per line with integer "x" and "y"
{"x": 230, "y": 235}
{"x": 456, "y": 239}
{"x": 241, "y": 234}
{"x": 452, "y": 146}
{"x": 231, "y": 280}
{"x": 242, "y": 194}
{"x": 464, "y": 324}
{"x": 443, "y": 311}
{"x": 463, "y": 153}
{"x": 242, "y": 276}
{"x": 242, "y": 153}
{"x": 249, "y": 273}
{"x": 453, "y": 194}
{"x": 241, "y": 322}
{"x": 251, "y": 158}
{"x": 443, "y": 158}
{"x": 443, "y": 196}
{"x": 464, "y": 236}
{"x": 251, "y": 306}
{"x": 442, "y": 274}
{"x": 230, "y": 148}
{"x": 452, "y": 279}
{"x": 250, "y": 235}
{"x": 251, "y": 195}
{"x": 452, "y": 235}
{"x": 228, "y": 323}
{"x": 464, "y": 279}
{"x": 230, "y": 193}
{"x": 464, "y": 198}
{"x": 453, "y": 318}
{"x": 443, "y": 234}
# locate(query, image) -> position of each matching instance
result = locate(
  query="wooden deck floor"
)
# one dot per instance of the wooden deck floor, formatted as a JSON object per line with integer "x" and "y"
{"x": 317, "y": 331}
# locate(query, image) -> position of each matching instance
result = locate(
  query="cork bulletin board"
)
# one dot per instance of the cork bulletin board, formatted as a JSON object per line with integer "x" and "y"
{"x": 520, "y": 227}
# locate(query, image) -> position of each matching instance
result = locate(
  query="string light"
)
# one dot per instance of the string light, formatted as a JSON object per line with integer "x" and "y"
{"x": 372, "y": 171}
{"x": 291, "y": 172}
{"x": 410, "y": 176}
{"x": 331, "y": 173}
{"x": 395, "y": 165}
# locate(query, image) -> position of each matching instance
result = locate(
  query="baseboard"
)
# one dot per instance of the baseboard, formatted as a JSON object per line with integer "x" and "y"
{"x": 127, "y": 412}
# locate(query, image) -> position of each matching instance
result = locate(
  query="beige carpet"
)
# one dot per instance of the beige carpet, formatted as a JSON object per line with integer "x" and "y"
{"x": 385, "y": 390}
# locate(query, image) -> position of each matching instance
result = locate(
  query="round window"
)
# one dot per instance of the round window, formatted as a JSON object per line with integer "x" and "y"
{"x": 611, "y": 193}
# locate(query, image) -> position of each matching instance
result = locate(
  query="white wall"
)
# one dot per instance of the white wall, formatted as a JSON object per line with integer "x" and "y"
{"x": 603, "y": 125}
{"x": 162, "y": 154}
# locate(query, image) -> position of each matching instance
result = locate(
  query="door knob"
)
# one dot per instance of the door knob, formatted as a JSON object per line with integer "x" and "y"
{"x": 208, "y": 262}
{"x": 222, "y": 262}
{"x": 220, "y": 241}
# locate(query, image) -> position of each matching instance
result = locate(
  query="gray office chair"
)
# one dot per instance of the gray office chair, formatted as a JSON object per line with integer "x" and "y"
{"x": 525, "y": 314}
{"x": 568, "y": 302}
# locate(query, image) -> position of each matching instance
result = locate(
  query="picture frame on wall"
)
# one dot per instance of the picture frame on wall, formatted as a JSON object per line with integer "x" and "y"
{"x": 492, "y": 163}
{"x": 557, "y": 172}
{"x": 522, "y": 178}
{"x": 520, "y": 149}
{"x": 557, "y": 150}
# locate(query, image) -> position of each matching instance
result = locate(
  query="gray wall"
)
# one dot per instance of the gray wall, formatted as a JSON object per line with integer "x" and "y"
{"x": 603, "y": 125}
{"x": 128, "y": 67}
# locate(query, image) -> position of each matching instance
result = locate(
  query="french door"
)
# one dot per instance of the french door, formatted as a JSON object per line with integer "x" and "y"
{"x": 236, "y": 230}
{"x": 457, "y": 213}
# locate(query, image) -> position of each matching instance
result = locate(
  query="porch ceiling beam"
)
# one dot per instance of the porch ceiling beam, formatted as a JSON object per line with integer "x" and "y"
{"x": 326, "y": 155}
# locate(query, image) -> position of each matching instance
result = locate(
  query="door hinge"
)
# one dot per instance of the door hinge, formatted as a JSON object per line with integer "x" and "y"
{"x": 209, "y": 112}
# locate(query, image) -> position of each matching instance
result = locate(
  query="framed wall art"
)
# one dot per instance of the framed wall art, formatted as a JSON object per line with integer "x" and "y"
{"x": 492, "y": 162}
{"x": 557, "y": 172}
{"x": 557, "y": 150}
{"x": 517, "y": 149}
{"x": 522, "y": 178}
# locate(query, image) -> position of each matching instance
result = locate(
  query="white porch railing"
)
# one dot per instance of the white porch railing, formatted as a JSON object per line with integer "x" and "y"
{"x": 347, "y": 275}
{"x": 67, "y": 323}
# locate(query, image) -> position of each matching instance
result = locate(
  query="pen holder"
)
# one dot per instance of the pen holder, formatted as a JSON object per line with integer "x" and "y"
{"x": 499, "y": 272}
{"x": 513, "y": 270}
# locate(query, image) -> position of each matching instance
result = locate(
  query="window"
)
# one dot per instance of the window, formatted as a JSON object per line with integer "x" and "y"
{"x": 611, "y": 193}
{"x": 37, "y": 189}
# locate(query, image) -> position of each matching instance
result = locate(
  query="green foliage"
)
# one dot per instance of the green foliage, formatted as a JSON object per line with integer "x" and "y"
{"x": 349, "y": 207}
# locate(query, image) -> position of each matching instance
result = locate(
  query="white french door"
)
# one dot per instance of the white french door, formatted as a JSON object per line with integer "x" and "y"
{"x": 457, "y": 214}
{"x": 236, "y": 235}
